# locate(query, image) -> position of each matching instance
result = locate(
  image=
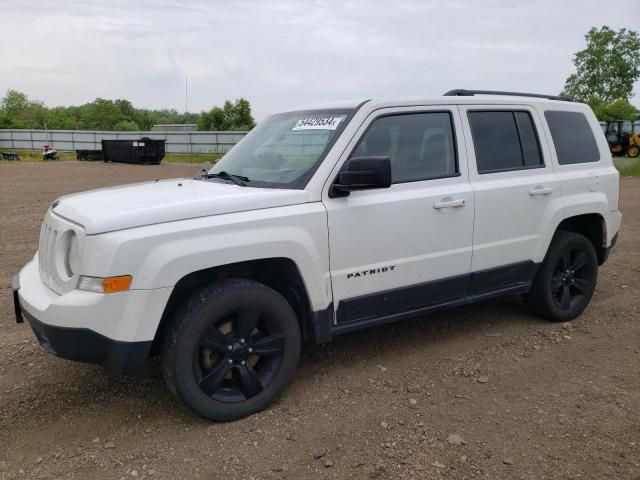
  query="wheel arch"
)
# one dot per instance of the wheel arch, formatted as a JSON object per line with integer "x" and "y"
{"x": 591, "y": 225}
{"x": 279, "y": 273}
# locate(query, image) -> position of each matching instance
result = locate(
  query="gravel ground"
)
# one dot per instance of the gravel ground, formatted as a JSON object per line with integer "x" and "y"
{"x": 486, "y": 391}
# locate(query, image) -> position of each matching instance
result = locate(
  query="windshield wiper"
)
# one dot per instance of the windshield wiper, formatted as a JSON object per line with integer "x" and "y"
{"x": 237, "y": 179}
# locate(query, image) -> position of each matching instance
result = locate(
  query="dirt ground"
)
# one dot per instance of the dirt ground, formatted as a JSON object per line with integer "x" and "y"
{"x": 486, "y": 391}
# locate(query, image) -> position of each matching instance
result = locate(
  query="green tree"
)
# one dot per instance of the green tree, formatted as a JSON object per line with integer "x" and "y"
{"x": 617, "y": 110}
{"x": 607, "y": 68}
{"x": 242, "y": 118}
{"x": 213, "y": 120}
{"x": 125, "y": 107}
{"x": 14, "y": 103}
{"x": 232, "y": 116}
{"x": 20, "y": 112}
{"x": 127, "y": 126}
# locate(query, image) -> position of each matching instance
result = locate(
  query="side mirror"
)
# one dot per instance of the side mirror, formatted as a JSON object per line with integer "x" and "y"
{"x": 362, "y": 173}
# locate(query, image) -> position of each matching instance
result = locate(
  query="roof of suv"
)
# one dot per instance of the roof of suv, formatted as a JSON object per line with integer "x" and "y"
{"x": 438, "y": 100}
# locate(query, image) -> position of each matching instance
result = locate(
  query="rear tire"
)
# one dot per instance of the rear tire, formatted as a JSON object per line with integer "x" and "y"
{"x": 231, "y": 349}
{"x": 566, "y": 280}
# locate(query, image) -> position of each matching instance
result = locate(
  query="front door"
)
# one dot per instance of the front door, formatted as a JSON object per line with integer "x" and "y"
{"x": 409, "y": 246}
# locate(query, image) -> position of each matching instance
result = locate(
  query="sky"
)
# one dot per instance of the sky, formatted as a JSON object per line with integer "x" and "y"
{"x": 280, "y": 54}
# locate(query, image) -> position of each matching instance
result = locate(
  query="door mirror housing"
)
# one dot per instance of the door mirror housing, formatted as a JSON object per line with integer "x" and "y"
{"x": 362, "y": 173}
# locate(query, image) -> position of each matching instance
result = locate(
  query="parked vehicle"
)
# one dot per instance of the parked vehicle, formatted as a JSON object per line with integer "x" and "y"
{"x": 623, "y": 137}
{"x": 49, "y": 153}
{"x": 320, "y": 222}
{"x": 9, "y": 156}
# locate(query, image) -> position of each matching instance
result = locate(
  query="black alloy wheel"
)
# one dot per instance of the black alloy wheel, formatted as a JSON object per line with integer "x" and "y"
{"x": 566, "y": 280}
{"x": 231, "y": 348}
{"x": 572, "y": 280}
{"x": 237, "y": 356}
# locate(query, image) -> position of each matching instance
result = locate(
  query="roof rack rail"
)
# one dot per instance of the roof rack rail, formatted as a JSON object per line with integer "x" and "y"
{"x": 461, "y": 92}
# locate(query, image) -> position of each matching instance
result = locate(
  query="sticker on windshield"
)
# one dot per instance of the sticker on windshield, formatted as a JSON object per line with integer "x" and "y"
{"x": 317, "y": 123}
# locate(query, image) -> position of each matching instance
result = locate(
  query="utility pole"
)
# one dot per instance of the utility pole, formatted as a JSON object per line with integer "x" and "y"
{"x": 186, "y": 109}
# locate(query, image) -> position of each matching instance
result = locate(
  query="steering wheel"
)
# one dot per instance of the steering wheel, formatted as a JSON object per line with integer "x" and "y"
{"x": 271, "y": 159}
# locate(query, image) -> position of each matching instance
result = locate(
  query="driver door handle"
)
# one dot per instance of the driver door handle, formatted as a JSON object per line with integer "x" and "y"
{"x": 540, "y": 190}
{"x": 449, "y": 202}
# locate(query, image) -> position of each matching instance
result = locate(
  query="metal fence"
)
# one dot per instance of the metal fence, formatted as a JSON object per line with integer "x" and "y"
{"x": 69, "y": 140}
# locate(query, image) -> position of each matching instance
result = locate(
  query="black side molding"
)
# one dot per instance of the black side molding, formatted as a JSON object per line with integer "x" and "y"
{"x": 395, "y": 317}
{"x": 442, "y": 291}
{"x": 389, "y": 306}
{"x": 461, "y": 92}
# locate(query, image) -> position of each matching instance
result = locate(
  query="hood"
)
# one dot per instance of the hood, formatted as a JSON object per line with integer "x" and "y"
{"x": 148, "y": 203}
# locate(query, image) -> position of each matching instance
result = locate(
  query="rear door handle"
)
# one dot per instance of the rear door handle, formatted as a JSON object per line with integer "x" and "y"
{"x": 540, "y": 190}
{"x": 450, "y": 203}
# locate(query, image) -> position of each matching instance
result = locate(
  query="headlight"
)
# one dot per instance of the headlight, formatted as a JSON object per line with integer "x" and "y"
{"x": 105, "y": 285}
{"x": 72, "y": 264}
{"x": 67, "y": 258}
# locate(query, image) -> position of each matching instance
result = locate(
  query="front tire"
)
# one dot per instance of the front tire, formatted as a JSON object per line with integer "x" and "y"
{"x": 566, "y": 280}
{"x": 231, "y": 349}
{"x": 617, "y": 149}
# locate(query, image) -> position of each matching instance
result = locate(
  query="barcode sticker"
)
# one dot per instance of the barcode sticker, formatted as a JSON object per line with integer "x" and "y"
{"x": 317, "y": 123}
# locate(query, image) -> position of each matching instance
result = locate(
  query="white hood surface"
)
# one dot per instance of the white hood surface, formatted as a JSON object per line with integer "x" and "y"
{"x": 139, "y": 204}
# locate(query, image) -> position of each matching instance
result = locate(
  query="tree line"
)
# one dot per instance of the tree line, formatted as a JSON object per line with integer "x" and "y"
{"x": 18, "y": 111}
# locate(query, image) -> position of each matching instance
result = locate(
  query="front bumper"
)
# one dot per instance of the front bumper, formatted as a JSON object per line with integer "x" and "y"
{"x": 115, "y": 330}
{"x": 83, "y": 345}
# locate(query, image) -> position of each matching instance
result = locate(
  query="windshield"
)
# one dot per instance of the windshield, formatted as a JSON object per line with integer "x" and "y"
{"x": 285, "y": 149}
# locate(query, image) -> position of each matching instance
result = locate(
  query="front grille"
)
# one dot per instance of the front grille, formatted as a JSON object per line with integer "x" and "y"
{"x": 46, "y": 254}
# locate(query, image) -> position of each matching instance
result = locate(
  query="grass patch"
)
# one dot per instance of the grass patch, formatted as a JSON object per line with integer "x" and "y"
{"x": 192, "y": 157}
{"x": 628, "y": 167}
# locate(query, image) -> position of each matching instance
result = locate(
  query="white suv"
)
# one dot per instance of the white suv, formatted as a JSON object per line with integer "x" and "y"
{"x": 324, "y": 221}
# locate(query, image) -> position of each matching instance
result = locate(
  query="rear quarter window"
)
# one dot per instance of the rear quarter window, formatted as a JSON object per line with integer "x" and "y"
{"x": 572, "y": 137}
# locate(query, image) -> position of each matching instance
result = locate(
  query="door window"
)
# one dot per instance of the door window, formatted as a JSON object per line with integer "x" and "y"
{"x": 504, "y": 141}
{"x": 421, "y": 146}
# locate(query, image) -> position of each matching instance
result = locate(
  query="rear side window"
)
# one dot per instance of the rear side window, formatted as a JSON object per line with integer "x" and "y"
{"x": 504, "y": 141}
{"x": 572, "y": 137}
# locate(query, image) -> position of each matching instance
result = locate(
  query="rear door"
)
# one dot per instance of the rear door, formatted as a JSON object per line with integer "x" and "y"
{"x": 408, "y": 246}
{"x": 516, "y": 193}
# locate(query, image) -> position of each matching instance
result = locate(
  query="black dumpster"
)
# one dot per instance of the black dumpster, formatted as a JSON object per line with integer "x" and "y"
{"x": 89, "y": 155}
{"x": 144, "y": 151}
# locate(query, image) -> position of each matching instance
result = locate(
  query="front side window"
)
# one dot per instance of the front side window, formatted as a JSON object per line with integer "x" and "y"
{"x": 572, "y": 137}
{"x": 504, "y": 141}
{"x": 285, "y": 149}
{"x": 421, "y": 146}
